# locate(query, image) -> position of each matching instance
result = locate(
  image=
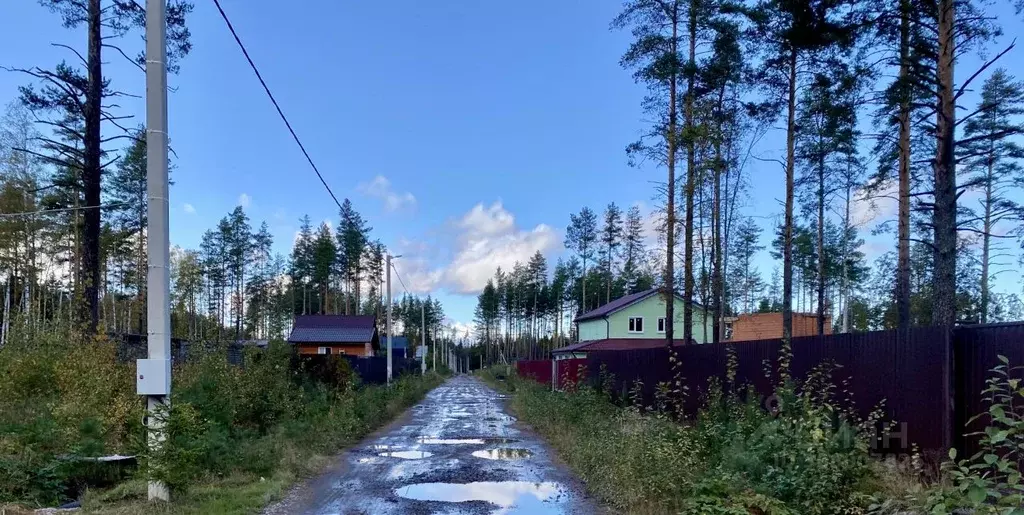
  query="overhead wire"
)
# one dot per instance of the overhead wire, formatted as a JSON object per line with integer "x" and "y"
{"x": 60, "y": 210}
{"x": 400, "y": 281}
{"x": 273, "y": 100}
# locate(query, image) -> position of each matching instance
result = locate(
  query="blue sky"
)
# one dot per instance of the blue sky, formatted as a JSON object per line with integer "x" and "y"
{"x": 465, "y": 132}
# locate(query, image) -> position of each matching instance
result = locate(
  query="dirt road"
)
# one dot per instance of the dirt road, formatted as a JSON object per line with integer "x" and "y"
{"x": 457, "y": 452}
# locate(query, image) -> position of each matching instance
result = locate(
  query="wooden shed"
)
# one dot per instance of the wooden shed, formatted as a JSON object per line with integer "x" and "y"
{"x": 355, "y": 335}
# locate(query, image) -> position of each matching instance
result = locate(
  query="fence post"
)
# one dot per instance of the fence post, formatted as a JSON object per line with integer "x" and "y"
{"x": 554, "y": 374}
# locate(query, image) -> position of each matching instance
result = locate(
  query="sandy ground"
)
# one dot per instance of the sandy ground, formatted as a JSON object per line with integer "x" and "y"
{"x": 457, "y": 452}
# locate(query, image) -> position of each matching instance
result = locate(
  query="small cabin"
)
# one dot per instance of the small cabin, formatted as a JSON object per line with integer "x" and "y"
{"x": 353, "y": 335}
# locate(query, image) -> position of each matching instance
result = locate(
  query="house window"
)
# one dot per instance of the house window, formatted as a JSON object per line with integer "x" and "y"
{"x": 323, "y": 350}
{"x": 661, "y": 324}
{"x": 636, "y": 324}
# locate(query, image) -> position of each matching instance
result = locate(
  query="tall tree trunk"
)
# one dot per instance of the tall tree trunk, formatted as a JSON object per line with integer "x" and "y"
{"x": 91, "y": 170}
{"x": 944, "y": 214}
{"x": 670, "y": 208}
{"x": 986, "y": 236}
{"x": 846, "y": 254}
{"x": 903, "y": 244}
{"x": 821, "y": 247}
{"x": 691, "y": 182}
{"x": 787, "y": 239}
{"x": 717, "y": 293}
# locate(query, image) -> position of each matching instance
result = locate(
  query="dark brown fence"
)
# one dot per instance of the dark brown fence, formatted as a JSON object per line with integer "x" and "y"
{"x": 909, "y": 380}
{"x": 929, "y": 383}
{"x": 976, "y": 352}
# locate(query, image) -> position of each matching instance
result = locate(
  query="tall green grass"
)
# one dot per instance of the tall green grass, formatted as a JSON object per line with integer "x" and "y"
{"x": 249, "y": 430}
{"x": 734, "y": 457}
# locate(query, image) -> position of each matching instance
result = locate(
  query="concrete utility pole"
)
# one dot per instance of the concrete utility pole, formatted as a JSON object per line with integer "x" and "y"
{"x": 154, "y": 374}
{"x": 423, "y": 338}
{"x": 387, "y": 260}
{"x": 433, "y": 352}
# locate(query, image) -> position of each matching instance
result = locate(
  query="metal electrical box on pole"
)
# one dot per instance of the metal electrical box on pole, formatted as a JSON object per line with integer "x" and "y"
{"x": 153, "y": 378}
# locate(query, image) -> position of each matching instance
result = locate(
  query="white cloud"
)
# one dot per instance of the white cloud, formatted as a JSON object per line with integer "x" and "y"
{"x": 879, "y": 204}
{"x": 486, "y": 238}
{"x": 479, "y": 257}
{"x": 380, "y": 188}
{"x": 485, "y": 221}
{"x": 244, "y": 200}
{"x": 189, "y": 209}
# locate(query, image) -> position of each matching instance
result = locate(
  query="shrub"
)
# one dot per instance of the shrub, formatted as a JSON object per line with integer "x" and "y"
{"x": 809, "y": 456}
{"x": 62, "y": 396}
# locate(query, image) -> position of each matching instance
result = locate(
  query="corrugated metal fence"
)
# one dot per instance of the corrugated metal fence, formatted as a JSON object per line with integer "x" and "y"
{"x": 929, "y": 383}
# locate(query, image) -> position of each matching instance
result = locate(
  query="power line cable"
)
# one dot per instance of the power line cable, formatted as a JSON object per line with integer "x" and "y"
{"x": 60, "y": 210}
{"x": 274, "y": 101}
{"x": 400, "y": 281}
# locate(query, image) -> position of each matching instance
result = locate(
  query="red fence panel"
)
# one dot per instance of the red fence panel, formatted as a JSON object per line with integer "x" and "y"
{"x": 538, "y": 369}
{"x": 569, "y": 371}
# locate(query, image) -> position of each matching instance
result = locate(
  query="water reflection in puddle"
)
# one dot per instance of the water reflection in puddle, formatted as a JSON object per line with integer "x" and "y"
{"x": 451, "y": 441}
{"x": 503, "y": 454}
{"x": 524, "y": 496}
{"x": 407, "y": 455}
{"x": 427, "y": 440}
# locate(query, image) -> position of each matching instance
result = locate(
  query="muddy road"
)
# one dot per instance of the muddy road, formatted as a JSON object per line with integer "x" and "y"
{"x": 457, "y": 452}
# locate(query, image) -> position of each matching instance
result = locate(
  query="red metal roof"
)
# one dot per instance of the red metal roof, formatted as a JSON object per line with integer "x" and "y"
{"x": 617, "y": 344}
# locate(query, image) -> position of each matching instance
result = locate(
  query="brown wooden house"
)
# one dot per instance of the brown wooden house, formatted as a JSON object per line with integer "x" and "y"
{"x": 764, "y": 326}
{"x": 355, "y": 335}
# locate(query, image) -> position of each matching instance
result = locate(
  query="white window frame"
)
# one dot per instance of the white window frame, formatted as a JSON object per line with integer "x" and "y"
{"x": 661, "y": 325}
{"x": 632, "y": 324}
{"x": 323, "y": 350}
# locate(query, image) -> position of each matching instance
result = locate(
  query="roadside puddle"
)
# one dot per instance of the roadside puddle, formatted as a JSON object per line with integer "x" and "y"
{"x": 503, "y": 454}
{"x": 451, "y": 441}
{"x": 407, "y": 455}
{"x": 523, "y": 496}
{"x": 425, "y": 440}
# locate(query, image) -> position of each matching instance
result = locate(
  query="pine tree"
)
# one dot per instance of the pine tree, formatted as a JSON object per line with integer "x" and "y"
{"x": 352, "y": 240}
{"x": 611, "y": 240}
{"x": 324, "y": 253}
{"x": 992, "y": 161}
{"x": 76, "y": 104}
{"x": 581, "y": 237}
{"x": 656, "y": 56}
{"x": 827, "y": 118}
{"x": 633, "y": 251}
{"x": 788, "y": 33}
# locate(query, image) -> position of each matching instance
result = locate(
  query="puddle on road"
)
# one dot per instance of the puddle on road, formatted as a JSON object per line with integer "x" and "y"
{"x": 451, "y": 441}
{"x": 503, "y": 454}
{"x": 407, "y": 455}
{"x": 500, "y": 418}
{"x": 522, "y": 496}
{"x": 424, "y": 440}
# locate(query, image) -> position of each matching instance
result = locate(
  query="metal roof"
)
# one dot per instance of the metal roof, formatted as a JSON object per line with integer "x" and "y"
{"x": 623, "y": 302}
{"x": 616, "y": 305}
{"x": 617, "y": 344}
{"x": 397, "y": 342}
{"x": 333, "y": 329}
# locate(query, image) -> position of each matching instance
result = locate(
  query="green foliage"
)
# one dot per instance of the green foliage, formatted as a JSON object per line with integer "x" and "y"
{"x": 808, "y": 456}
{"x": 64, "y": 397}
{"x": 61, "y": 397}
{"x": 990, "y": 481}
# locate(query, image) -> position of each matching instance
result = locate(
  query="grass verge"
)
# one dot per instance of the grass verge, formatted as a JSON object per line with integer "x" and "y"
{"x": 236, "y": 437}
{"x": 732, "y": 458}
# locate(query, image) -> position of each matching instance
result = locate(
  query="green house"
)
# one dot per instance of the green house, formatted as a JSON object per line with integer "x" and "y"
{"x": 640, "y": 316}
